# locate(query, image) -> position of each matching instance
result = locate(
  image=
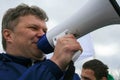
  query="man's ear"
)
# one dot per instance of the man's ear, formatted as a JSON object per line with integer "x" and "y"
{"x": 7, "y": 34}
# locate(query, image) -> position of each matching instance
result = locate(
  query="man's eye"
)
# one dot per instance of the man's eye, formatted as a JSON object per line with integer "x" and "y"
{"x": 33, "y": 28}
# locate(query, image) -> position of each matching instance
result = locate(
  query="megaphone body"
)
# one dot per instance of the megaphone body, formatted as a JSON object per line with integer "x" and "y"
{"x": 91, "y": 16}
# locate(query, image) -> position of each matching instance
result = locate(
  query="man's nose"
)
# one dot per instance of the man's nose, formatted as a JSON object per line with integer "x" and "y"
{"x": 40, "y": 33}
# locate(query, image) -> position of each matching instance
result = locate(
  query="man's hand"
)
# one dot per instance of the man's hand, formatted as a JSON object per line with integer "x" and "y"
{"x": 65, "y": 49}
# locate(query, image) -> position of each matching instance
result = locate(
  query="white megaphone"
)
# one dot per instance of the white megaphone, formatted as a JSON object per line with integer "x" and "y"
{"x": 92, "y": 15}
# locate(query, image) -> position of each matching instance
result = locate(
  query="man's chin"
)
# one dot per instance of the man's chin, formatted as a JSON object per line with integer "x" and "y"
{"x": 40, "y": 56}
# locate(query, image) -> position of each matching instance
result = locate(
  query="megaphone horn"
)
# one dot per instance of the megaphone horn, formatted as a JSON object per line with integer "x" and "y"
{"x": 91, "y": 16}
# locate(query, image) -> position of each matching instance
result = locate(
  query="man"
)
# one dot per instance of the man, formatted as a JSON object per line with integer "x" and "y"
{"x": 22, "y": 27}
{"x": 95, "y": 70}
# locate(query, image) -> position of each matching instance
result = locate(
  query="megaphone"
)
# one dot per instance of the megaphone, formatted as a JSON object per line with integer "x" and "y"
{"x": 92, "y": 15}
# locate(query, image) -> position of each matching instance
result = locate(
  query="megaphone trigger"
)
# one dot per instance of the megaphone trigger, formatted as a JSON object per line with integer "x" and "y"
{"x": 65, "y": 32}
{"x": 76, "y": 55}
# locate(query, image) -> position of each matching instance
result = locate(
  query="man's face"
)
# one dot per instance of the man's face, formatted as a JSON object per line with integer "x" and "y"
{"x": 87, "y": 74}
{"x": 25, "y": 36}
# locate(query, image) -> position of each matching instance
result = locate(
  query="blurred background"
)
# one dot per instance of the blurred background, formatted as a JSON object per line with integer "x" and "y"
{"x": 102, "y": 44}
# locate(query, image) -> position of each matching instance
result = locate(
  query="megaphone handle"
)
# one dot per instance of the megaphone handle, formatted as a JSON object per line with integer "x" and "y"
{"x": 77, "y": 54}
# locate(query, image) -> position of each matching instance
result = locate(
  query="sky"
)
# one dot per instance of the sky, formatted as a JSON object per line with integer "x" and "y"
{"x": 104, "y": 42}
